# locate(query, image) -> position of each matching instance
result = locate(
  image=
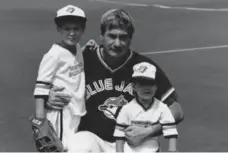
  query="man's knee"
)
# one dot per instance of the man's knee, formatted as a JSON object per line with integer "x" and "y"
{"x": 83, "y": 142}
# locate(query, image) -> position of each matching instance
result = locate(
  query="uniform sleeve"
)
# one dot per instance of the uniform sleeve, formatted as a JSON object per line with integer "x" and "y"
{"x": 165, "y": 92}
{"x": 168, "y": 123}
{"x": 122, "y": 123}
{"x": 47, "y": 70}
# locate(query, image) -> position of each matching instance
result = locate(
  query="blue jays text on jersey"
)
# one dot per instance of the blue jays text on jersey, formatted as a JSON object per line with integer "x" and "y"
{"x": 107, "y": 84}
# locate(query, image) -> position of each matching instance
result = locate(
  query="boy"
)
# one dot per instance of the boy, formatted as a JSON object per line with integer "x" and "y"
{"x": 145, "y": 110}
{"x": 63, "y": 66}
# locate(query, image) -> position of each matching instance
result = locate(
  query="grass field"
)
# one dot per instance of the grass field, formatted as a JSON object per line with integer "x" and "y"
{"x": 27, "y": 31}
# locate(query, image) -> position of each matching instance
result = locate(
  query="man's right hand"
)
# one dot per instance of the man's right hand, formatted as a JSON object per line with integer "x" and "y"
{"x": 57, "y": 98}
{"x": 90, "y": 45}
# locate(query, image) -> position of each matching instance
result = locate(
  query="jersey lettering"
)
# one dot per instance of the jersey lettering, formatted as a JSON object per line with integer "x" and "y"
{"x": 92, "y": 92}
{"x": 101, "y": 88}
{"x": 129, "y": 89}
{"x": 107, "y": 85}
{"x": 120, "y": 87}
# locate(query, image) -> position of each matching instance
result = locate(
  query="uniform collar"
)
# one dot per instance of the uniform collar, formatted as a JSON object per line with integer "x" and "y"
{"x": 145, "y": 108}
{"x": 76, "y": 47}
{"x": 107, "y": 66}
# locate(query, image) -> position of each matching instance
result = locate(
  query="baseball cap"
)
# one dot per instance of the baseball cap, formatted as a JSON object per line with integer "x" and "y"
{"x": 70, "y": 11}
{"x": 144, "y": 71}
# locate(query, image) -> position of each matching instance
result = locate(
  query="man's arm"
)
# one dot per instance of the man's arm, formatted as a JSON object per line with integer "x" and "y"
{"x": 177, "y": 112}
{"x": 175, "y": 107}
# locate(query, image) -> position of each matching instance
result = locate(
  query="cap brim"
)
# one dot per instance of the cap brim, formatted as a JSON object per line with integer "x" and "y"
{"x": 143, "y": 79}
{"x": 70, "y": 18}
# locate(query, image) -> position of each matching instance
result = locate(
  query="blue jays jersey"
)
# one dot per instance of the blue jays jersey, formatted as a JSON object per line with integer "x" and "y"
{"x": 107, "y": 90}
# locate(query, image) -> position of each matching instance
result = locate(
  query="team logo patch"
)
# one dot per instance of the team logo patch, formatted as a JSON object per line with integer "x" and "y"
{"x": 142, "y": 68}
{"x": 70, "y": 9}
{"x": 111, "y": 105}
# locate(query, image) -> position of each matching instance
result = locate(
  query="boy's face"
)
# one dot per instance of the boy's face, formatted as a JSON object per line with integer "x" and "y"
{"x": 145, "y": 90}
{"x": 71, "y": 33}
{"x": 116, "y": 42}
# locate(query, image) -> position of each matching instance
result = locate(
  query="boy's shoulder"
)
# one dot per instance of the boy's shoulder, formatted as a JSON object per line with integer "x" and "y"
{"x": 159, "y": 104}
{"x": 131, "y": 105}
{"x": 57, "y": 50}
{"x": 54, "y": 50}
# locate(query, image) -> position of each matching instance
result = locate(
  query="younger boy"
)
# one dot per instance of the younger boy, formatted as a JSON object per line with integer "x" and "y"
{"x": 145, "y": 110}
{"x": 63, "y": 66}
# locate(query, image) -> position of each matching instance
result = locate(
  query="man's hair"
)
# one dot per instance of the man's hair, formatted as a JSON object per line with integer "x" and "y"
{"x": 60, "y": 21}
{"x": 117, "y": 18}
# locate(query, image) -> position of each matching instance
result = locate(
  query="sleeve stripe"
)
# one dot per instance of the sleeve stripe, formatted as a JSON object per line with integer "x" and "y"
{"x": 168, "y": 124}
{"x": 120, "y": 128}
{"x": 119, "y": 138}
{"x": 122, "y": 125}
{"x": 155, "y": 123}
{"x": 45, "y": 97}
{"x": 171, "y": 136}
{"x": 42, "y": 82}
{"x": 167, "y": 94}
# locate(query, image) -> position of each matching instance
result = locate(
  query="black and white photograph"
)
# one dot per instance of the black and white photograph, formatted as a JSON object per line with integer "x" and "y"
{"x": 113, "y": 75}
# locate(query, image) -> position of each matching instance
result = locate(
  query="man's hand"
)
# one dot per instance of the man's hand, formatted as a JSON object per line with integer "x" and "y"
{"x": 136, "y": 134}
{"x": 90, "y": 45}
{"x": 57, "y": 98}
{"x": 177, "y": 112}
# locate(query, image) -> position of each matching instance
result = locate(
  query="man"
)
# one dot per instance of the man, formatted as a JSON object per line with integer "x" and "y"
{"x": 108, "y": 71}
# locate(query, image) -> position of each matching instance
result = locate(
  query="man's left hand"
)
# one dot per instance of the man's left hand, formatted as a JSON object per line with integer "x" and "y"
{"x": 136, "y": 134}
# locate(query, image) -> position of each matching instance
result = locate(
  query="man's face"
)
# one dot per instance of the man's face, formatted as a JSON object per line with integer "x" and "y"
{"x": 116, "y": 42}
{"x": 71, "y": 33}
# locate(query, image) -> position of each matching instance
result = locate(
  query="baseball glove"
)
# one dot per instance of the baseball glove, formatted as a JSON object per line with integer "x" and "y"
{"x": 46, "y": 139}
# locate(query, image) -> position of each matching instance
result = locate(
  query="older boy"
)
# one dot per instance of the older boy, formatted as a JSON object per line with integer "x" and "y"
{"x": 63, "y": 66}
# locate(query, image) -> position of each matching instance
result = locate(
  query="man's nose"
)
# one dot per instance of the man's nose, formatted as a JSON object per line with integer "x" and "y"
{"x": 117, "y": 42}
